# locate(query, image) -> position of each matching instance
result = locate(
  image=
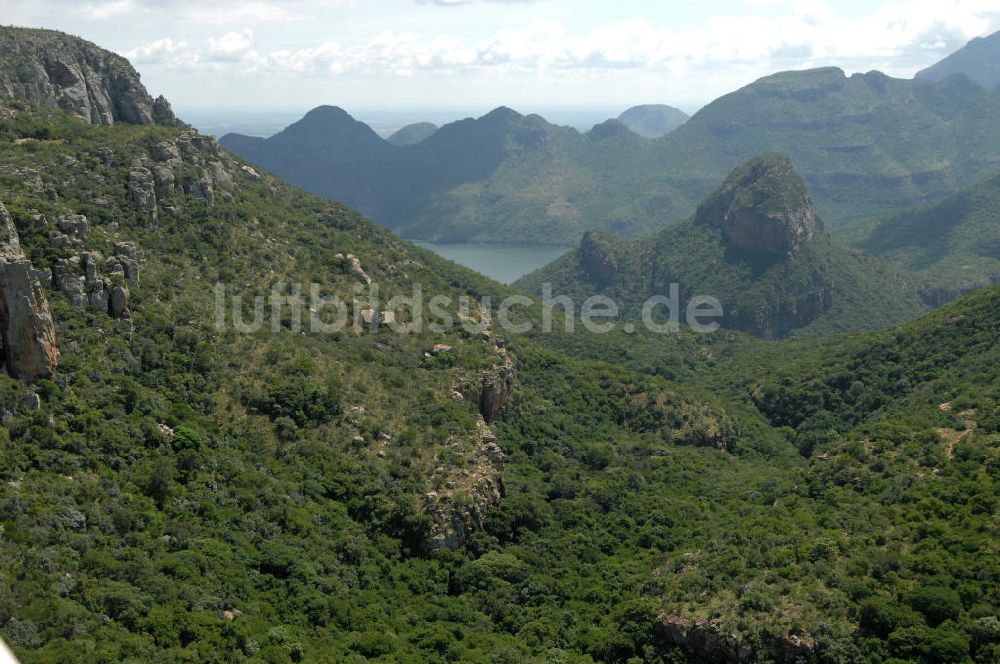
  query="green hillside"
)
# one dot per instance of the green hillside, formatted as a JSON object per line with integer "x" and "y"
{"x": 175, "y": 490}
{"x": 953, "y": 245}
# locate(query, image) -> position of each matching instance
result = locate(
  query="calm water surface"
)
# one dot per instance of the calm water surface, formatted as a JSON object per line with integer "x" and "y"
{"x": 504, "y": 262}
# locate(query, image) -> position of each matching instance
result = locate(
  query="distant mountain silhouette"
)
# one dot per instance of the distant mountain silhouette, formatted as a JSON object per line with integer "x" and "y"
{"x": 413, "y": 133}
{"x": 979, "y": 60}
{"x": 867, "y": 144}
{"x": 653, "y": 120}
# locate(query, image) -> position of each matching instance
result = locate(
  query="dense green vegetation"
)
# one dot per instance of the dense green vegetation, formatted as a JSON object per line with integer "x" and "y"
{"x": 952, "y": 246}
{"x": 866, "y": 144}
{"x": 189, "y": 493}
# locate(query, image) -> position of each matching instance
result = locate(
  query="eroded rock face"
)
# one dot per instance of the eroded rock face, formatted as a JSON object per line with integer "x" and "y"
{"x": 142, "y": 189}
{"x": 461, "y": 508}
{"x": 493, "y": 389}
{"x": 763, "y": 207}
{"x": 28, "y": 332}
{"x": 55, "y": 69}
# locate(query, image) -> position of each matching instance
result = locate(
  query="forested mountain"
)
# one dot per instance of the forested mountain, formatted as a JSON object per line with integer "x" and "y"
{"x": 979, "y": 60}
{"x": 176, "y": 489}
{"x": 757, "y": 245}
{"x": 866, "y": 144}
{"x": 952, "y": 246}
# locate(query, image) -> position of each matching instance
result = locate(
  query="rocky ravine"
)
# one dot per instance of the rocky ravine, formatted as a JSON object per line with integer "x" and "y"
{"x": 51, "y": 68}
{"x": 29, "y": 334}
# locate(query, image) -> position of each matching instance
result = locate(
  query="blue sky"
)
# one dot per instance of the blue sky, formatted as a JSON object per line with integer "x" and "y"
{"x": 477, "y": 54}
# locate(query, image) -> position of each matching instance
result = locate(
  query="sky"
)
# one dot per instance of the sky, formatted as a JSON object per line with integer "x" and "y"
{"x": 291, "y": 55}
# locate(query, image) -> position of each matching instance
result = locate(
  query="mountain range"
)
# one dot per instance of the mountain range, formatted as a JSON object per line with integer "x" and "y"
{"x": 866, "y": 144}
{"x": 176, "y": 487}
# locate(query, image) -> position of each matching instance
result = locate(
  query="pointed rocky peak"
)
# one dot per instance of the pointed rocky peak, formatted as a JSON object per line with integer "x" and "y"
{"x": 763, "y": 207}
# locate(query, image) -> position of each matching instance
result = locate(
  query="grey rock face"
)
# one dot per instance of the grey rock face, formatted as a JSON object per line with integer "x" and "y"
{"x": 54, "y": 69}
{"x": 118, "y": 304}
{"x": 763, "y": 207}
{"x": 142, "y": 189}
{"x": 28, "y": 332}
{"x": 74, "y": 225}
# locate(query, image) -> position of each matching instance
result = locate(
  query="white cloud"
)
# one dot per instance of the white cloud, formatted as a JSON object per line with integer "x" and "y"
{"x": 161, "y": 51}
{"x": 106, "y": 10}
{"x": 894, "y": 36}
{"x": 231, "y": 43}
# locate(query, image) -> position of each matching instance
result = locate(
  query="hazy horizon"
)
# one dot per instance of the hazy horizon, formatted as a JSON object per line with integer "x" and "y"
{"x": 527, "y": 54}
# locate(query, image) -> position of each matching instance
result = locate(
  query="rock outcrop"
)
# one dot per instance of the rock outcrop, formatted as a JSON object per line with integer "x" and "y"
{"x": 51, "y": 68}
{"x": 461, "y": 507}
{"x": 142, "y": 189}
{"x": 492, "y": 389}
{"x": 709, "y": 640}
{"x": 763, "y": 207}
{"x": 28, "y": 332}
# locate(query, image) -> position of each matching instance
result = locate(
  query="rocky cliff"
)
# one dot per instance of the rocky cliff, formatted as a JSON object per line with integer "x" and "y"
{"x": 50, "y": 68}
{"x": 28, "y": 333}
{"x": 762, "y": 207}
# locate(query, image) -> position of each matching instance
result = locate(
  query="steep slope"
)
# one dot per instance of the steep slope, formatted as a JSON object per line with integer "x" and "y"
{"x": 54, "y": 69}
{"x": 757, "y": 246}
{"x": 183, "y": 490}
{"x": 413, "y": 133}
{"x": 193, "y": 485}
{"x": 953, "y": 245}
{"x": 653, "y": 120}
{"x": 865, "y": 144}
{"x": 979, "y": 60}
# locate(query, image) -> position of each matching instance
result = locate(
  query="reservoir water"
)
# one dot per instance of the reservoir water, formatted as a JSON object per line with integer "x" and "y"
{"x": 504, "y": 262}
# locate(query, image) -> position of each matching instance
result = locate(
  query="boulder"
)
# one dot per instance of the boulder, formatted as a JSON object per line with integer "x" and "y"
{"x": 492, "y": 390}
{"x": 74, "y": 225}
{"x": 165, "y": 151}
{"x": 118, "y": 303}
